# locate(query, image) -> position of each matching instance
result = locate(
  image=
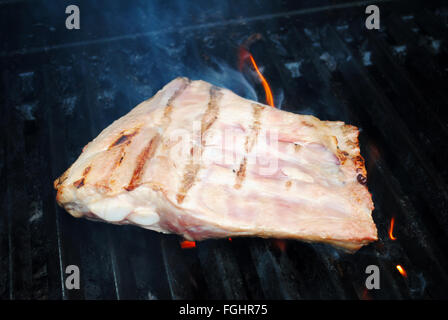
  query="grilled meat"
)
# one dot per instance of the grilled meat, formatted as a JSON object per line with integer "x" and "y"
{"x": 202, "y": 162}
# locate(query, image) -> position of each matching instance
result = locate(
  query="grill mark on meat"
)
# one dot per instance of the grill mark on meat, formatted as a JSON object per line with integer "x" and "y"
{"x": 189, "y": 178}
{"x": 166, "y": 118}
{"x": 151, "y": 148}
{"x": 79, "y": 183}
{"x": 117, "y": 162}
{"x": 192, "y": 168}
{"x": 144, "y": 157}
{"x": 123, "y": 141}
{"x": 124, "y": 138}
{"x": 251, "y": 138}
{"x": 256, "y": 125}
{"x": 86, "y": 171}
{"x": 241, "y": 174}
{"x": 178, "y": 92}
{"x": 307, "y": 124}
{"x": 351, "y": 231}
{"x": 211, "y": 114}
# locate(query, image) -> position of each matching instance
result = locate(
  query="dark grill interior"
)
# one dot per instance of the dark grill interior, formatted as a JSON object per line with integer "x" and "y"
{"x": 60, "y": 88}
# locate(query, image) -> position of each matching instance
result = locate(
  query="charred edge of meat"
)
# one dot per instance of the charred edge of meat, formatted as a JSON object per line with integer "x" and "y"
{"x": 241, "y": 174}
{"x": 60, "y": 180}
{"x": 361, "y": 179}
{"x": 359, "y": 164}
{"x": 124, "y": 138}
{"x": 192, "y": 169}
{"x": 359, "y": 161}
{"x": 144, "y": 156}
{"x": 342, "y": 155}
{"x": 348, "y": 130}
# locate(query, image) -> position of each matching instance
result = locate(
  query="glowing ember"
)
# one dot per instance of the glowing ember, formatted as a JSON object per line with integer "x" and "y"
{"x": 230, "y": 239}
{"x": 280, "y": 244}
{"x": 391, "y": 229}
{"x": 402, "y": 271}
{"x": 365, "y": 295}
{"x": 187, "y": 244}
{"x": 267, "y": 89}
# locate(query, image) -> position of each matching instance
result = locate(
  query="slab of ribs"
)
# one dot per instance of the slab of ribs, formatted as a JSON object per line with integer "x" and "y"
{"x": 202, "y": 162}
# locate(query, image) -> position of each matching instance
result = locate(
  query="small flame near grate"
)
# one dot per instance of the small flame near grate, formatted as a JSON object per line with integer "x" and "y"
{"x": 192, "y": 244}
{"x": 402, "y": 271}
{"x": 187, "y": 244}
{"x": 244, "y": 55}
{"x": 391, "y": 229}
{"x": 267, "y": 89}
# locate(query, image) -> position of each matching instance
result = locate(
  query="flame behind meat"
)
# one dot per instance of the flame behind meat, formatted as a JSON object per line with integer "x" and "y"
{"x": 402, "y": 271}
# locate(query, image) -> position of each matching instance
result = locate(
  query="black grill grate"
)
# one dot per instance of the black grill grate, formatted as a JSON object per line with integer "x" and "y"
{"x": 60, "y": 88}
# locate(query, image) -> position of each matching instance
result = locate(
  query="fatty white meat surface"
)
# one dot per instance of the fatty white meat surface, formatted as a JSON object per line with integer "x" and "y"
{"x": 202, "y": 162}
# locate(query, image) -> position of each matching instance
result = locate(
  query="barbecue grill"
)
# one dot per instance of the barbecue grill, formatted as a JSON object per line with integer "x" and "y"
{"x": 60, "y": 88}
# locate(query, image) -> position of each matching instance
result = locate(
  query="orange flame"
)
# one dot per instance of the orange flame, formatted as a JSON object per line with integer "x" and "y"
{"x": 187, "y": 244}
{"x": 391, "y": 229}
{"x": 402, "y": 271}
{"x": 267, "y": 89}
